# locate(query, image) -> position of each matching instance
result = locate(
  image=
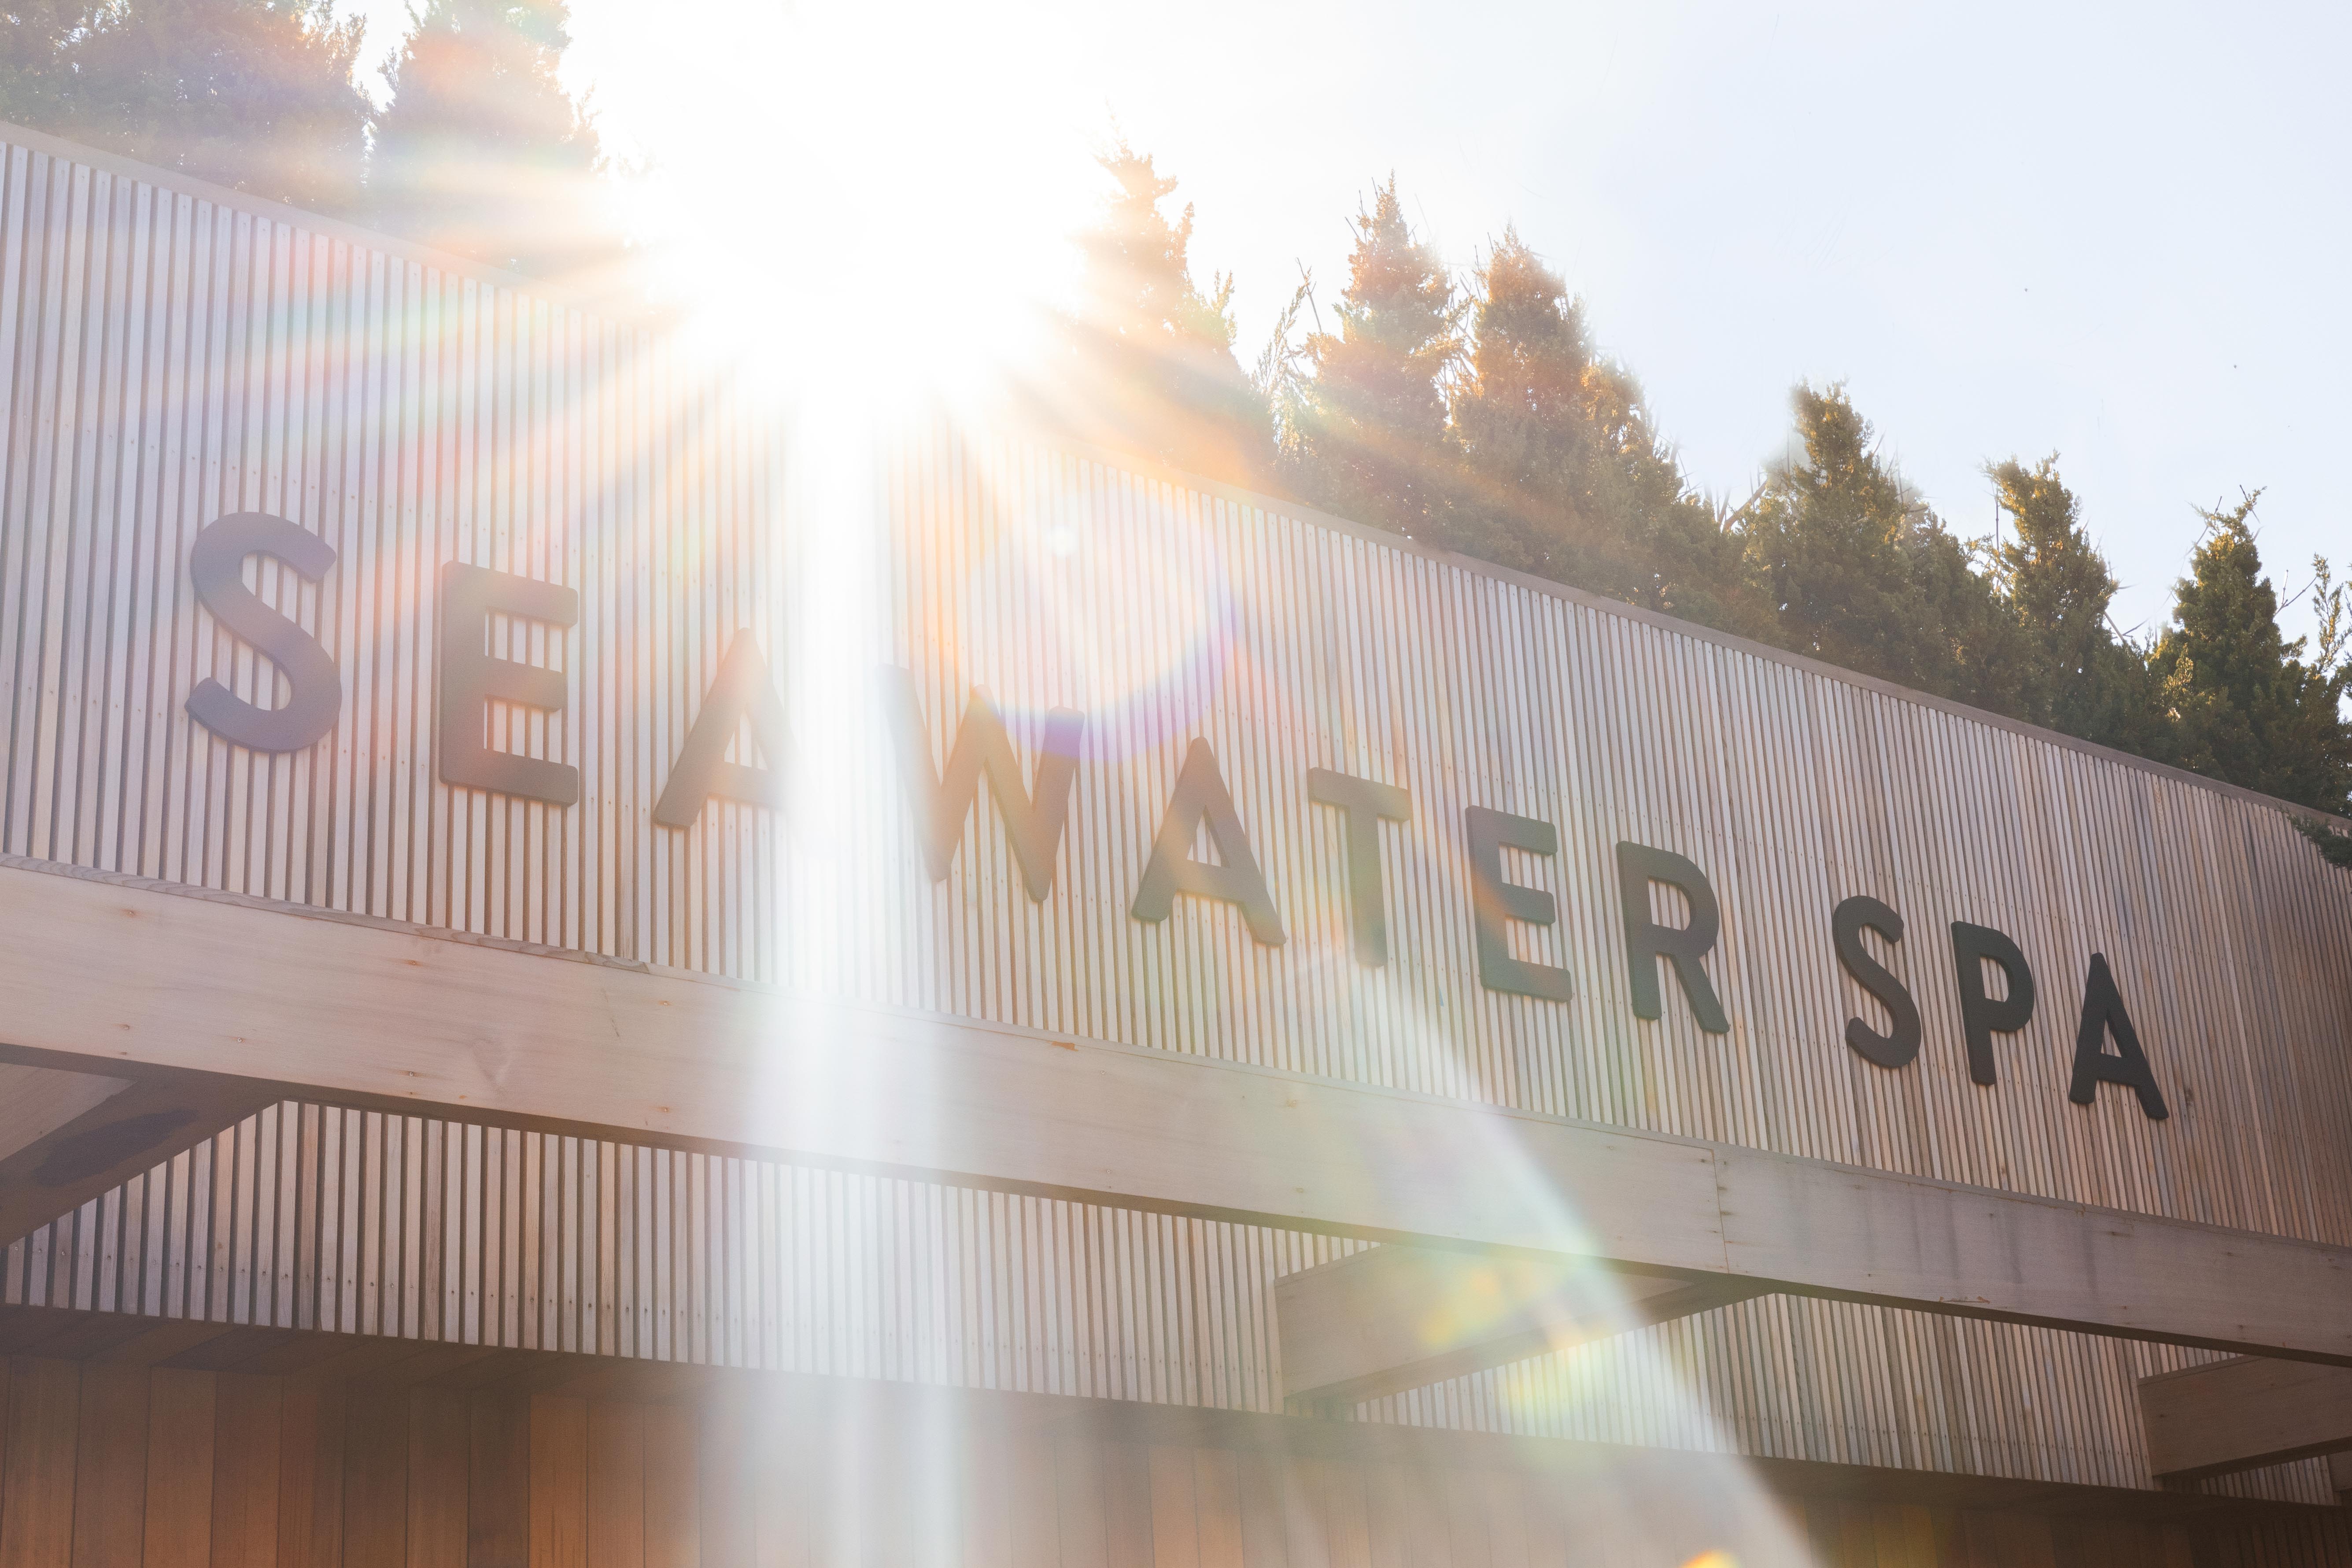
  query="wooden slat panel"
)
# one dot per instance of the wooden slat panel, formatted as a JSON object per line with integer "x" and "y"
{"x": 559, "y": 1482}
{"x": 727, "y": 1476}
{"x": 375, "y": 1476}
{"x": 311, "y": 1485}
{"x": 497, "y": 1507}
{"x": 36, "y": 1496}
{"x": 1175, "y": 1531}
{"x": 673, "y": 1514}
{"x": 1216, "y": 1490}
{"x": 616, "y": 1486}
{"x": 440, "y": 1441}
{"x": 179, "y": 1429}
{"x": 1318, "y": 644}
{"x": 248, "y": 1427}
{"x": 111, "y": 1467}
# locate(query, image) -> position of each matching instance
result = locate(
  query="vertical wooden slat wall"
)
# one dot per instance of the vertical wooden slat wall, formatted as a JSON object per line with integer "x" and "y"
{"x": 268, "y": 1471}
{"x": 279, "y": 1223}
{"x": 173, "y": 355}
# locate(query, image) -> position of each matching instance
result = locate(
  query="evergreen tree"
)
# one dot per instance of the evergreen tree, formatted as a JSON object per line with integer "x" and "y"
{"x": 2075, "y": 673}
{"x": 1563, "y": 474}
{"x": 1366, "y": 433}
{"x": 1861, "y": 574}
{"x": 36, "y": 64}
{"x": 2246, "y": 704}
{"x": 481, "y": 151}
{"x": 255, "y": 94}
{"x": 1146, "y": 359}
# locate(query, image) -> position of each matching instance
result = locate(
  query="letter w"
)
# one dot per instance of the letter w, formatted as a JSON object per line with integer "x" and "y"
{"x": 1033, "y": 822}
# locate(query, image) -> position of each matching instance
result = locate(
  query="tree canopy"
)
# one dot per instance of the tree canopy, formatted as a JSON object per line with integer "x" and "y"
{"x": 1477, "y": 415}
{"x": 1367, "y": 432}
{"x": 481, "y": 151}
{"x": 255, "y": 94}
{"x": 1144, "y": 356}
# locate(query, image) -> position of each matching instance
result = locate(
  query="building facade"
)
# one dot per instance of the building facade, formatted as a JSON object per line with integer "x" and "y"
{"x": 348, "y": 589}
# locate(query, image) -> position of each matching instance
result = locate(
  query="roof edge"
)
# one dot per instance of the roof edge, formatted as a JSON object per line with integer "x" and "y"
{"x": 1148, "y": 467}
{"x": 553, "y": 290}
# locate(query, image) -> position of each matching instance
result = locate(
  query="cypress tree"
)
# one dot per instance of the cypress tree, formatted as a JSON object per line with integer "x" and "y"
{"x": 1145, "y": 357}
{"x": 481, "y": 151}
{"x": 2074, "y": 672}
{"x": 254, "y": 94}
{"x": 2246, "y": 704}
{"x": 1564, "y": 475}
{"x": 1861, "y": 574}
{"x": 1366, "y": 433}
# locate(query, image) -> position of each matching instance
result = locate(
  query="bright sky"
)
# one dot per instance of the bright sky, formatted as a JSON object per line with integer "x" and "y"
{"x": 2117, "y": 232}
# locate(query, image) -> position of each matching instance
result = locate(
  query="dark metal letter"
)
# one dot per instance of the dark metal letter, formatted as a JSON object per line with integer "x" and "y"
{"x": 1847, "y": 922}
{"x": 1646, "y": 942}
{"x": 741, "y": 690}
{"x": 1981, "y": 1016}
{"x": 1032, "y": 824}
{"x": 470, "y": 678}
{"x": 1202, "y": 796}
{"x": 1494, "y": 902}
{"x": 314, "y": 691}
{"x": 2102, "y": 1013}
{"x": 1364, "y": 805}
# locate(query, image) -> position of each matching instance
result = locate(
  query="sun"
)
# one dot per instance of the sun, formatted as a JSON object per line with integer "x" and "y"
{"x": 855, "y": 202}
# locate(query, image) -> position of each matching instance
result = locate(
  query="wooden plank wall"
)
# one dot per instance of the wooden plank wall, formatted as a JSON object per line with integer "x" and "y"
{"x": 173, "y": 356}
{"x": 412, "y": 1229}
{"x": 170, "y": 355}
{"x": 107, "y": 1465}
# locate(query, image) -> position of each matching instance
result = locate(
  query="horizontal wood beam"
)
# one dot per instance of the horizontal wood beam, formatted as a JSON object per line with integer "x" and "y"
{"x": 1394, "y": 1318}
{"x": 2243, "y": 1413}
{"x": 66, "y": 1137}
{"x": 36, "y": 1101}
{"x": 107, "y": 969}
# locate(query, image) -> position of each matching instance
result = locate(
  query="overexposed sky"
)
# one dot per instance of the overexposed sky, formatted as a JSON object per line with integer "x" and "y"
{"x": 2116, "y": 232}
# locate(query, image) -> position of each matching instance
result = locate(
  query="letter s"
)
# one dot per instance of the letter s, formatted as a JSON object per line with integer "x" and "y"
{"x": 216, "y": 564}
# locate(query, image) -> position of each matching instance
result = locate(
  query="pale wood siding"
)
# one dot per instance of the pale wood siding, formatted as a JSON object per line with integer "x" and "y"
{"x": 118, "y": 1465}
{"x": 168, "y": 356}
{"x": 312, "y": 1218}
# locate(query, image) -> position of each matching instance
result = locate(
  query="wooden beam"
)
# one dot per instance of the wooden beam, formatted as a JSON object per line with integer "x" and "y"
{"x": 36, "y": 1101}
{"x": 364, "y": 1011}
{"x": 2243, "y": 1413}
{"x": 1394, "y": 1318}
{"x": 66, "y": 1137}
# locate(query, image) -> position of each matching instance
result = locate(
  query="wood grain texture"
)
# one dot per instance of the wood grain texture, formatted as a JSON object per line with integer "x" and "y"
{"x": 178, "y": 1528}
{"x": 673, "y": 1462}
{"x": 375, "y": 1476}
{"x": 249, "y": 1417}
{"x": 111, "y": 1467}
{"x": 594, "y": 1043}
{"x": 559, "y": 1482}
{"x": 37, "y": 1101}
{"x": 1397, "y": 1317}
{"x": 310, "y": 1478}
{"x": 1319, "y": 642}
{"x": 118, "y": 1128}
{"x": 2243, "y": 1413}
{"x": 37, "y": 1482}
{"x": 440, "y": 1451}
{"x": 616, "y": 1486}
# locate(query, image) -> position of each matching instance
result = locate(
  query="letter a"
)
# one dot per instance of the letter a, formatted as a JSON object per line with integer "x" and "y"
{"x": 2102, "y": 1013}
{"x": 1202, "y": 796}
{"x": 742, "y": 691}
